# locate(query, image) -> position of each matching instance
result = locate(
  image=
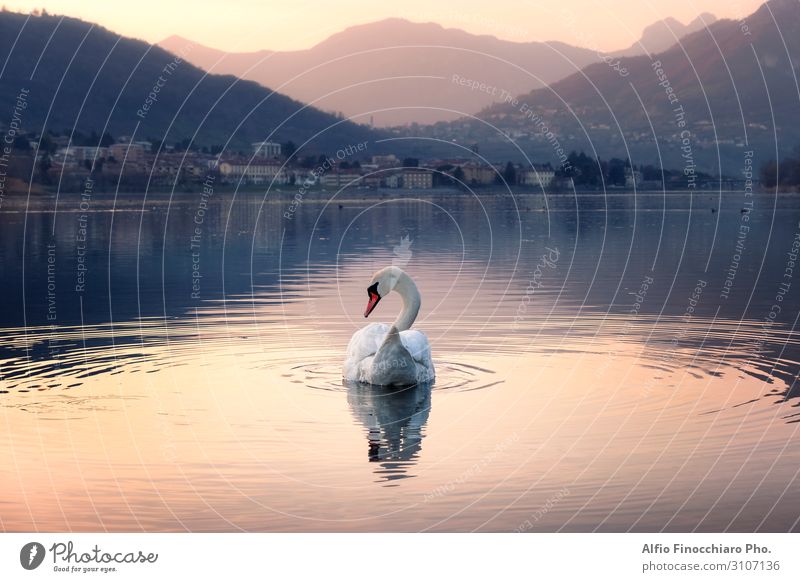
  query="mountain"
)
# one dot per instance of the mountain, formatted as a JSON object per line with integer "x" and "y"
{"x": 728, "y": 89}
{"x": 70, "y": 73}
{"x": 396, "y": 72}
{"x": 661, "y": 35}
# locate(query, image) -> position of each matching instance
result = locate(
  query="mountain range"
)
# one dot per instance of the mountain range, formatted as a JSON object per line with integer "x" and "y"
{"x": 723, "y": 91}
{"x": 73, "y": 74}
{"x": 662, "y": 34}
{"x": 394, "y": 71}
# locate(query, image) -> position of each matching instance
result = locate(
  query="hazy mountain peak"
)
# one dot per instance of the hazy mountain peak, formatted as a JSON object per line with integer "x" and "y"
{"x": 396, "y": 71}
{"x": 396, "y": 32}
{"x": 662, "y": 34}
{"x": 705, "y": 19}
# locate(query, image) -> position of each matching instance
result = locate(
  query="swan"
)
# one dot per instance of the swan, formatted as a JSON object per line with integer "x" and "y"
{"x": 393, "y": 355}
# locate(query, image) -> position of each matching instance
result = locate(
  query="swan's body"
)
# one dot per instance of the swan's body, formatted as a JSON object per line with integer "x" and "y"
{"x": 390, "y": 355}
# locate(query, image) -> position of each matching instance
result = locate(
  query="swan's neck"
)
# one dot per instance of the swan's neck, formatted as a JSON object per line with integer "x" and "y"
{"x": 406, "y": 288}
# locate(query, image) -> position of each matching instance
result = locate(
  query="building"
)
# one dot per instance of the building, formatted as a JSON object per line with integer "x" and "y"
{"x": 340, "y": 179}
{"x": 266, "y": 149}
{"x": 394, "y": 180}
{"x": 385, "y": 161}
{"x": 539, "y": 176}
{"x": 305, "y": 178}
{"x": 130, "y": 152}
{"x": 252, "y": 172}
{"x": 632, "y": 177}
{"x": 417, "y": 179}
{"x": 374, "y": 180}
{"x": 186, "y": 165}
{"x": 476, "y": 174}
{"x": 79, "y": 154}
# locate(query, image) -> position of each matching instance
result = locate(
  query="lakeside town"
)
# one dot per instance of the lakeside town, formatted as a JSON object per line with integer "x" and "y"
{"x": 66, "y": 162}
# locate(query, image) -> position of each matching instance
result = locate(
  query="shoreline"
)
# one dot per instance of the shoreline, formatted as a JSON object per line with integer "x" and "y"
{"x": 69, "y": 201}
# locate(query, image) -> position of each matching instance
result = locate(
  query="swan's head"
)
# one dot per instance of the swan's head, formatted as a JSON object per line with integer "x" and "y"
{"x": 381, "y": 285}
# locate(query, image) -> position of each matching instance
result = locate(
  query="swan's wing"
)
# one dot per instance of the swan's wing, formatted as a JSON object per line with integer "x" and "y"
{"x": 417, "y": 344}
{"x": 366, "y": 341}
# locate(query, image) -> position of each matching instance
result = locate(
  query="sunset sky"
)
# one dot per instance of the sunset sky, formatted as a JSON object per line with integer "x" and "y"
{"x": 246, "y": 25}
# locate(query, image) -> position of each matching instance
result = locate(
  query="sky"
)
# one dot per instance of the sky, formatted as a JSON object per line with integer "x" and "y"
{"x": 248, "y": 25}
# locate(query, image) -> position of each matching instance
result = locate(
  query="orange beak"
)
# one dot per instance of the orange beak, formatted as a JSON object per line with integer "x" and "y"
{"x": 373, "y": 301}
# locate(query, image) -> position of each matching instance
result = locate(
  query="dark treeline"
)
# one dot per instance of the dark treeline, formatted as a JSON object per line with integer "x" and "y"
{"x": 590, "y": 172}
{"x": 785, "y": 173}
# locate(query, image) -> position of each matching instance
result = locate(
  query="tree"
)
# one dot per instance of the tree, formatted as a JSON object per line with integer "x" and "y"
{"x": 510, "y": 174}
{"x": 411, "y": 162}
{"x": 785, "y": 173}
{"x": 184, "y": 145}
{"x": 47, "y": 145}
{"x": 21, "y": 143}
{"x": 769, "y": 174}
{"x": 583, "y": 170}
{"x": 106, "y": 140}
{"x": 44, "y": 168}
{"x": 289, "y": 148}
{"x": 458, "y": 175}
{"x": 443, "y": 175}
{"x": 615, "y": 173}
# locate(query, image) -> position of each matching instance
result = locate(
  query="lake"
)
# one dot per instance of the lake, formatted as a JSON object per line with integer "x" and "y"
{"x": 607, "y": 362}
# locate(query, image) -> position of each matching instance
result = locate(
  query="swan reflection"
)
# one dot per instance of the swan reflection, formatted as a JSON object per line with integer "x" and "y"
{"x": 394, "y": 419}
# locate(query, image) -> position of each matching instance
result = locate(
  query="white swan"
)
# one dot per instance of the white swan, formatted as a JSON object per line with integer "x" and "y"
{"x": 390, "y": 355}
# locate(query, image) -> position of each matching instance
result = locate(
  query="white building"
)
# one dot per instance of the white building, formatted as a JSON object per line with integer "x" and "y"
{"x": 79, "y": 154}
{"x": 540, "y": 176}
{"x": 266, "y": 149}
{"x": 632, "y": 177}
{"x": 394, "y": 181}
{"x": 253, "y": 172}
{"x": 340, "y": 179}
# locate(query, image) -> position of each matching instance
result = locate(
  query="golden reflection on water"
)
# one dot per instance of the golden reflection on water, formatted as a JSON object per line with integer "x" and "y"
{"x": 206, "y": 425}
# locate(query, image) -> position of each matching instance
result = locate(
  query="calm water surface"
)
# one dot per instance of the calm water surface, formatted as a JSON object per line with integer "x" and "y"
{"x": 604, "y": 363}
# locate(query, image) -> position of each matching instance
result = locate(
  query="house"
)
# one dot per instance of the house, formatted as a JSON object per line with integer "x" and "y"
{"x": 394, "y": 180}
{"x": 79, "y": 154}
{"x": 538, "y": 176}
{"x": 385, "y": 161}
{"x": 266, "y": 149}
{"x": 130, "y": 152}
{"x": 305, "y": 178}
{"x": 373, "y": 180}
{"x": 254, "y": 171}
{"x": 340, "y": 179}
{"x": 632, "y": 177}
{"x": 174, "y": 164}
{"x": 417, "y": 179}
{"x": 478, "y": 174}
